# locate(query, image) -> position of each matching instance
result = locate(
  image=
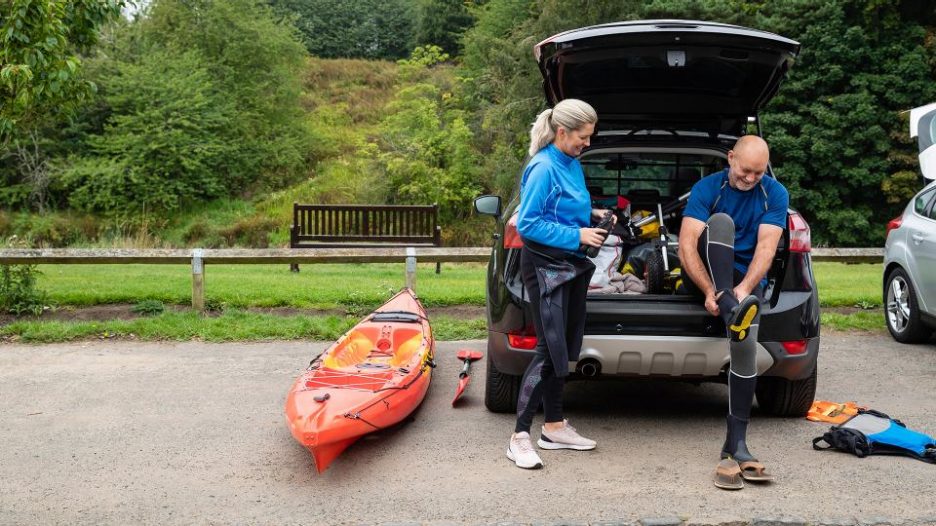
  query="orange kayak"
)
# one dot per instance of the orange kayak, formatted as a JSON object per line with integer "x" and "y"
{"x": 371, "y": 378}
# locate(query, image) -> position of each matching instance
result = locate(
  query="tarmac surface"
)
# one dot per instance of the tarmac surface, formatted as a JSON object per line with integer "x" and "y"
{"x": 123, "y": 432}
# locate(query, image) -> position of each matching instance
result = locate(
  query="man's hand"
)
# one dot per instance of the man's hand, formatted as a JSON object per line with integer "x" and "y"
{"x": 741, "y": 292}
{"x": 710, "y": 304}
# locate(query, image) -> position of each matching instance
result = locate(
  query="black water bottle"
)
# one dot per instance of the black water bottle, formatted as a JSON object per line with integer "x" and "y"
{"x": 604, "y": 224}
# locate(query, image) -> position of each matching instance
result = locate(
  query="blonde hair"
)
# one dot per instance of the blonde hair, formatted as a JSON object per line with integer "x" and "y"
{"x": 570, "y": 114}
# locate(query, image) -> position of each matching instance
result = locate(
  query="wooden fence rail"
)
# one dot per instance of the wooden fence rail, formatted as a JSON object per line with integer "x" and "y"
{"x": 198, "y": 258}
{"x": 848, "y": 255}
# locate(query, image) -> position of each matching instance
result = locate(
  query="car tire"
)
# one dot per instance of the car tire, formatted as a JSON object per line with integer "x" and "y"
{"x": 901, "y": 309}
{"x": 501, "y": 389}
{"x": 782, "y": 397}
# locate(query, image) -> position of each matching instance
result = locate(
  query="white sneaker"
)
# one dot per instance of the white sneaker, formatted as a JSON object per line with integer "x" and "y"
{"x": 565, "y": 438}
{"x": 520, "y": 450}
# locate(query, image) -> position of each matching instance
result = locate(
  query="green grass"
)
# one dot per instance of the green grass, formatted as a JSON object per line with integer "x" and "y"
{"x": 230, "y": 326}
{"x": 353, "y": 288}
{"x": 862, "y": 321}
{"x": 842, "y": 285}
{"x": 350, "y": 286}
{"x": 357, "y": 288}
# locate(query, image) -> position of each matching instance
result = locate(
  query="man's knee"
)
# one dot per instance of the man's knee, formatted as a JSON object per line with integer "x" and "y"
{"x": 721, "y": 229}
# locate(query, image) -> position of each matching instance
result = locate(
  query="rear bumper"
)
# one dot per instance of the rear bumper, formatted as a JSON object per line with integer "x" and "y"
{"x": 685, "y": 357}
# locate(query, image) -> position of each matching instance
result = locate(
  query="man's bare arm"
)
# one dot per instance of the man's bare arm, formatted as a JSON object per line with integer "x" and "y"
{"x": 767, "y": 238}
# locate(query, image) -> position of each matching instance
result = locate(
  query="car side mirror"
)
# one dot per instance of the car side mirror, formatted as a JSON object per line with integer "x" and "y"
{"x": 489, "y": 205}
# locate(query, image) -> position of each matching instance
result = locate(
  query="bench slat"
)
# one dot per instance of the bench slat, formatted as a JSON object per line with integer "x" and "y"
{"x": 382, "y": 225}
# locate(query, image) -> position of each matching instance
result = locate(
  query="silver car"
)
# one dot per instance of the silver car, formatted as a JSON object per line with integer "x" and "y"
{"x": 910, "y": 250}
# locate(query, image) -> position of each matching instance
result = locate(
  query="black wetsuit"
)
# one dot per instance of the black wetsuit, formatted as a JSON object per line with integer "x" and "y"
{"x": 556, "y": 282}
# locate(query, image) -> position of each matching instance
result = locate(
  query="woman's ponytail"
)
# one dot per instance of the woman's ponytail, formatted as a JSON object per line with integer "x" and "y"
{"x": 570, "y": 114}
{"x": 542, "y": 132}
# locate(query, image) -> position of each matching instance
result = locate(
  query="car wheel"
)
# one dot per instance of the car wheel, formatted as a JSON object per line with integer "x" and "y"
{"x": 501, "y": 390}
{"x": 902, "y": 310}
{"x": 781, "y": 397}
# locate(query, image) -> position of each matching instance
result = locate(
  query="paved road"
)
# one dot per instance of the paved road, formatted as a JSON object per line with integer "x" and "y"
{"x": 118, "y": 432}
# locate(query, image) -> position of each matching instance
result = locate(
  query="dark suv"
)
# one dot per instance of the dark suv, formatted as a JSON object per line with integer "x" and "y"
{"x": 672, "y": 96}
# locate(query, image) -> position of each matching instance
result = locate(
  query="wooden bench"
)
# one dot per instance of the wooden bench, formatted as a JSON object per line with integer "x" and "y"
{"x": 338, "y": 226}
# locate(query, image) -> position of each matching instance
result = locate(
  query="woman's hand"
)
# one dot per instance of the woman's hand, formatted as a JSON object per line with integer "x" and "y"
{"x": 593, "y": 237}
{"x": 597, "y": 214}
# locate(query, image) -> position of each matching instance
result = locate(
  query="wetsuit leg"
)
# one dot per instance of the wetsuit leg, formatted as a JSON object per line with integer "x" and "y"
{"x": 742, "y": 379}
{"x": 716, "y": 247}
{"x": 574, "y": 308}
{"x": 539, "y": 382}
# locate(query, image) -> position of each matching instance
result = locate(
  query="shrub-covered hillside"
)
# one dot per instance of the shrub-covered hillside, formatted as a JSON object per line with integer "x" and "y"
{"x": 199, "y": 122}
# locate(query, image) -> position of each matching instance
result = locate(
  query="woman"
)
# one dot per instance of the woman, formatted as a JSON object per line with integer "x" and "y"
{"x": 553, "y": 221}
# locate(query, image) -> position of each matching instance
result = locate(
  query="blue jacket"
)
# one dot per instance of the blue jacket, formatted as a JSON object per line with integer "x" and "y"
{"x": 554, "y": 203}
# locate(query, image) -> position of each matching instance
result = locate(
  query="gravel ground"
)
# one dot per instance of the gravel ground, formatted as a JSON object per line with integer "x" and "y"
{"x": 122, "y": 432}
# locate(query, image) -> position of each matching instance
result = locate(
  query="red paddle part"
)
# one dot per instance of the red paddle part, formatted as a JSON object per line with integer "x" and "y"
{"x": 468, "y": 356}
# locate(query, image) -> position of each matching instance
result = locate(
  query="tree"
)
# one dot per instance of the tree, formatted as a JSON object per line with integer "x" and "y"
{"x": 199, "y": 99}
{"x": 427, "y": 154}
{"x": 840, "y": 142}
{"x": 170, "y": 139}
{"x": 258, "y": 62}
{"x": 441, "y": 23}
{"x": 374, "y": 29}
{"x": 39, "y": 62}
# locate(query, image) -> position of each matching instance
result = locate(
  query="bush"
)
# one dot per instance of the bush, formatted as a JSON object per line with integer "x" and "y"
{"x": 196, "y": 232}
{"x": 54, "y": 230}
{"x": 362, "y": 87}
{"x": 215, "y": 305}
{"x": 6, "y": 224}
{"x": 169, "y": 141}
{"x": 251, "y": 232}
{"x": 427, "y": 153}
{"x": 18, "y": 293}
{"x": 354, "y": 180}
{"x": 149, "y": 308}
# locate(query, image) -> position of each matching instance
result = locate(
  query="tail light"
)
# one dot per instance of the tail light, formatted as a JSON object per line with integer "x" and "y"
{"x": 511, "y": 236}
{"x": 794, "y": 346}
{"x": 521, "y": 340}
{"x": 892, "y": 224}
{"x": 800, "y": 240}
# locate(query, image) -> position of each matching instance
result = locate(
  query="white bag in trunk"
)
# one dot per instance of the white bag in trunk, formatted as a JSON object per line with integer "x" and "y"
{"x": 606, "y": 262}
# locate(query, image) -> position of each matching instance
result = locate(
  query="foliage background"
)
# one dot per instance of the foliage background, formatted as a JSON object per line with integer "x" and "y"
{"x": 199, "y": 122}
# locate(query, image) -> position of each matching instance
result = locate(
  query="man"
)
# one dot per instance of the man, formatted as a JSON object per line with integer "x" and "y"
{"x": 729, "y": 234}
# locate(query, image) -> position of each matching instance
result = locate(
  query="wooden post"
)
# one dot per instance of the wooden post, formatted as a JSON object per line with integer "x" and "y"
{"x": 198, "y": 281}
{"x": 411, "y": 268}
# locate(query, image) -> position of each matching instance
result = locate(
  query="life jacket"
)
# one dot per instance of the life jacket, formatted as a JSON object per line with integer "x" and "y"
{"x": 874, "y": 433}
{"x": 832, "y": 412}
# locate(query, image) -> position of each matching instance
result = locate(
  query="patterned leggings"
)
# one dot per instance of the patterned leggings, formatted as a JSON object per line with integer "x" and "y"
{"x": 540, "y": 383}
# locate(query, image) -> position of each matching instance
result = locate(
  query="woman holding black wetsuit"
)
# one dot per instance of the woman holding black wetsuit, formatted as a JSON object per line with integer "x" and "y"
{"x": 554, "y": 222}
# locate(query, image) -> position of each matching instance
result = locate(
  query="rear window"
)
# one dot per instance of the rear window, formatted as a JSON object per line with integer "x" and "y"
{"x": 645, "y": 178}
{"x": 920, "y": 202}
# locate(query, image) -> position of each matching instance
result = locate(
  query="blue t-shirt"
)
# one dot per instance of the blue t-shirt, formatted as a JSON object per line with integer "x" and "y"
{"x": 554, "y": 202}
{"x": 765, "y": 204}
